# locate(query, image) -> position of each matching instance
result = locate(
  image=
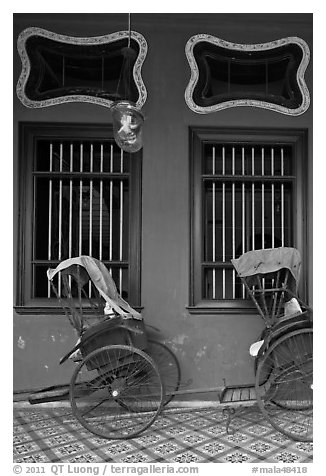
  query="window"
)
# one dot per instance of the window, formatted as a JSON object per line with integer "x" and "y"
{"x": 100, "y": 70}
{"x": 79, "y": 195}
{"x": 247, "y": 192}
{"x": 268, "y": 75}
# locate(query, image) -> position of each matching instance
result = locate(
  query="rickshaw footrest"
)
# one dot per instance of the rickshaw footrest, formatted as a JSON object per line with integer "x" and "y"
{"x": 238, "y": 393}
{"x": 49, "y": 396}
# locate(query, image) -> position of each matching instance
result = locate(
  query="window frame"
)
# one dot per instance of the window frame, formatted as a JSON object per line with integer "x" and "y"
{"x": 29, "y": 132}
{"x": 198, "y": 137}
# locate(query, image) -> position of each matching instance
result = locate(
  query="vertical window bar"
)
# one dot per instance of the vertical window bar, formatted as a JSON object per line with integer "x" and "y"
{"x": 273, "y": 203}
{"x": 253, "y": 198}
{"x": 60, "y": 203}
{"x": 121, "y": 223}
{"x": 101, "y": 207}
{"x": 233, "y": 222}
{"x": 214, "y": 224}
{"x": 243, "y": 213}
{"x": 263, "y": 207}
{"x": 263, "y": 199}
{"x": 50, "y": 214}
{"x": 223, "y": 220}
{"x": 70, "y": 199}
{"x": 60, "y": 214}
{"x": 81, "y": 153}
{"x": 90, "y": 231}
{"x": 70, "y": 207}
{"x": 111, "y": 206}
{"x": 282, "y": 197}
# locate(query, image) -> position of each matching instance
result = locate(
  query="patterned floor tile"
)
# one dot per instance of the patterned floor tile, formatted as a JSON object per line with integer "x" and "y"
{"x": 166, "y": 448}
{"x": 85, "y": 458}
{"x": 118, "y": 448}
{"x": 59, "y": 439}
{"x": 198, "y": 422}
{"x": 178, "y": 436}
{"x": 257, "y": 429}
{"x": 42, "y": 424}
{"x": 286, "y": 457}
{"x": 238, "y": 457}
{"x": 215, "y": 430}
{"x": 97, "y": 441}
{"x": 50, "y": 431}
{"x": 305, "y": 447}
{"x": 18, "y": 429}
{"x": 35, "y": 458}
{"x": 21, "y": 438}
{"x": 213, "y": 448}
{"x": 183, "y": 417}
{"x": 261, "y": 447}
{"x": 161, "y": 422}
{"x": 277, "y": 437}
{"x": 71, "y": 448}
{"x": 187, "y": 457}
{"x": 193, "y": 438}
{"x": 237, "y": 438}
{"x": 176, "y": 430}
{"x": 25, "y": 448}
{"x": 138, "y": 457}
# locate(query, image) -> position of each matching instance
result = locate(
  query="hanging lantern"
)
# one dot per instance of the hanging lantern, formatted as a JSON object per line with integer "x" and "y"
{"x": 127, "y": 126}
{"x": 127, "y": 118}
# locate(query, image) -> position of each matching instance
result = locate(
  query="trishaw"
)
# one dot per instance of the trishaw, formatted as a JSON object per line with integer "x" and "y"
{"x": 122, "y": 379}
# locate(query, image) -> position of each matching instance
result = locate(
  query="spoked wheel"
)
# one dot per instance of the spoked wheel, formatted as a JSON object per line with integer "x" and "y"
{"x": 168, "y": 367}
{"x": 284, "y": 380}
{"x": 108, "y": 383}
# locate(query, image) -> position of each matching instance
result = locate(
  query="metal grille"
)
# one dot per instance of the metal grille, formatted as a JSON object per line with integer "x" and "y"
{"x": 81, "y": 207}
{"x": 247, "y": 204}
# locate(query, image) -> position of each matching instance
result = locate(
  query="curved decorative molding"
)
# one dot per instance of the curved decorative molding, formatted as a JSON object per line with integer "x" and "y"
{"x": 98, "y": 40}
{"x": 249, "y": 48}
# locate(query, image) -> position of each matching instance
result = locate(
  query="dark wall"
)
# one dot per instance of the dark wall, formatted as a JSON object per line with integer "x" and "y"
{"x": 210, "y": 347}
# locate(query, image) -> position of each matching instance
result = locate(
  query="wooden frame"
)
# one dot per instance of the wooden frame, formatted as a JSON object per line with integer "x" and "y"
{"x": 28, "y": 133}
{"x": 297, "y": 138}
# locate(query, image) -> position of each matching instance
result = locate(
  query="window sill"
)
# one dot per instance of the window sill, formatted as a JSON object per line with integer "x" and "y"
{"x": 57, "y": 310}
{"x": 222, "y": 307}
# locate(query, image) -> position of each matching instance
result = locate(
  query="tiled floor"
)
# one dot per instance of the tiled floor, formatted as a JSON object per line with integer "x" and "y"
{"x": 51, "y": 434}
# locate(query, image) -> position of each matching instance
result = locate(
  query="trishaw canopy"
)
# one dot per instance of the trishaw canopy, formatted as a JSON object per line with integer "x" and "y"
{"x": 102, "y": 279}
{"x": 270, "y": 260}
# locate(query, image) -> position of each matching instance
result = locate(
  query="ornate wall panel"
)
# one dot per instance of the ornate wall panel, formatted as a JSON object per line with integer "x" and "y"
{"x": 266, "y": 75}
{"x": 58, "y": 69}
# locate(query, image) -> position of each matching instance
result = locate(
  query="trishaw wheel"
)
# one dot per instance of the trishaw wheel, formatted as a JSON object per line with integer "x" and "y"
{"x": 168, "y": 367}
{"x": 107, "y": 383}
{"x": 284, "y": 381}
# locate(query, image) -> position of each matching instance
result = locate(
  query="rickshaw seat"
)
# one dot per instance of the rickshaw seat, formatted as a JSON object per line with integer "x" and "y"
{"x": 109, "y": 332}
{"x": 291, "y": 323}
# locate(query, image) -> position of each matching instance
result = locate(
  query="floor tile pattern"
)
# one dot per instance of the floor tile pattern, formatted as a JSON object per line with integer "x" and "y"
{"x": 51, "y": 434}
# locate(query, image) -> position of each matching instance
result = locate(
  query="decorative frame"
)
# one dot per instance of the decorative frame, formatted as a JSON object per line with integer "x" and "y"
{"x": 189, "y": 50}
{"x": 97, "y": 40}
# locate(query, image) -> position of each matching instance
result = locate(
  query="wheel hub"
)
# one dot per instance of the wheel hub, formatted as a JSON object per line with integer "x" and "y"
{"x": 117, "y": 386}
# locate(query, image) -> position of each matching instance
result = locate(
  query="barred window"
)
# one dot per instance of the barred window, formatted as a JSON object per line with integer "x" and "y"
{"x": 80, "y": 196}
{"x": 244, "y": 197}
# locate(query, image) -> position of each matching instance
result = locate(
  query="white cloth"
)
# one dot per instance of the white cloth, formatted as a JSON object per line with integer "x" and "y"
{"x": 292, "y": 307}
{"x": 102, "y": 279}
{"x": 254, "y": 348}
